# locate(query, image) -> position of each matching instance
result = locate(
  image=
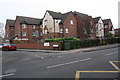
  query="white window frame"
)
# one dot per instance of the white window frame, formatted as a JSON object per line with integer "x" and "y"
{"x": 41, "y": 34}
{"x": 67, "y": 30}
{"x": 24, "y": 26}
{"x": 33, "y": 33}
{"x": 61, "y": 30}
{"x": 71, "y": 22}
{"x": 106, "y": 26}
{"x": 33, "y": 26}
{"x": 46, "y": 32}
{"x": 24, "y": 33}
{"x": 45, "y": 22}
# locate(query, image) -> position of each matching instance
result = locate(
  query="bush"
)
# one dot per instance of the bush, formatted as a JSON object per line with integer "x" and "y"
{"x": 60, "y": 39}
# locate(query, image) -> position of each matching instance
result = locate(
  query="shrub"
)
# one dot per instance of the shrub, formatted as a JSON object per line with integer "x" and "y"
{"x": 60, "y": 39}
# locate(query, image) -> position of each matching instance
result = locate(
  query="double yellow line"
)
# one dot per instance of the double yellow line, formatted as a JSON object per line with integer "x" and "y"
{"x": 77, "y": 76}
{"x": 116, "y": 67}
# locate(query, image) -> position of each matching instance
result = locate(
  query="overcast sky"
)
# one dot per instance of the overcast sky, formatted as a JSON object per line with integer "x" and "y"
{"x": 37, "y": 8}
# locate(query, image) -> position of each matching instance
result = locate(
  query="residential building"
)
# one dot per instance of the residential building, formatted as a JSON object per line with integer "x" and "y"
{"x": 99, "y": 25}
{"x": 117, "y": 32}
{"x": 50, "y": 24}
{"x": 9, "y": 29}
{"x": 85, "y": 26}
{"x": 108, "y": 26}
{"x": 68, "y": 25}
{"x": 28, "y": 29}
{"x": 56, "y": 24}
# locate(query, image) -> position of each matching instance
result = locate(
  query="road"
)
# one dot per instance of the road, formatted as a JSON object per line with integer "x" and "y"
{"x": 20, "y": 64}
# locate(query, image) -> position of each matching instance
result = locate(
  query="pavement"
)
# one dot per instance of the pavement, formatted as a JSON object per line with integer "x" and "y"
{"x": 73, "y": 50}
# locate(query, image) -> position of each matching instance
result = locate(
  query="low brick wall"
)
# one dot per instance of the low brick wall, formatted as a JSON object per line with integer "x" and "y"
{"x": 40, "y": 45}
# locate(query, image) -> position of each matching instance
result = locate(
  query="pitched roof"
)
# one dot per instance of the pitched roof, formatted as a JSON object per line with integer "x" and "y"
{"x": 29, "y": 20}
{"x": 64, "y": 16}
{"x": 10, "y": 22}
{"x": 58, "y": 15}
{"x": 55, "y": 15}
{"x": 96, "y": 19}
{"x": 82, "y": 16}
{"x": 106, "y": 21}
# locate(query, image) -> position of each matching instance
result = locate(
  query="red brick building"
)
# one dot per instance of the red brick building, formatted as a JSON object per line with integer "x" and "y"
{"x": 9, "y": 29}
{"x": 53, "y": 25}
{"x": 78, "y": 25}
{"x": 28, "y": 29}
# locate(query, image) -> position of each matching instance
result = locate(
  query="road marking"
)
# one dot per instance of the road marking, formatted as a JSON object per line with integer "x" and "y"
{"x": 77, "y": 76}
{"x": 68, "y": 63}
{"x": 111, "y": 53}
{"x": 116, "y": 67}
{"x": 7, "y": 75}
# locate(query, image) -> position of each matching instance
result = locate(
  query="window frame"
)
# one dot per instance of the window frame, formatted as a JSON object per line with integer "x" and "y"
{"x": 24, "y": 26}
{"x": 71, "y": 22}
{"x": 33, "y": 26}
{"x": 24, "y": 34}
{"x": 34, "y": 33}
{"x": 67, "y": 30}
{"x": 61, "y": 30}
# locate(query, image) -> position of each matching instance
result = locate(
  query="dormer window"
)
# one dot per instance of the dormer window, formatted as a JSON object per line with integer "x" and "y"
{"x": 33, "y": 27}
{"x": 24, "y": 26}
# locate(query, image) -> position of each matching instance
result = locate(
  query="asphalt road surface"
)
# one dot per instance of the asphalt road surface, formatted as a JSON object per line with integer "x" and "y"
{"x": 80, "y": 65}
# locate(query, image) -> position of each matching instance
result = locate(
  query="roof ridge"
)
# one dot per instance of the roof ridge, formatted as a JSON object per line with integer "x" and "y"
{"x": 80, "y": 13}
{"x": 27, "y": 17}
{"x": 53, "y": 11}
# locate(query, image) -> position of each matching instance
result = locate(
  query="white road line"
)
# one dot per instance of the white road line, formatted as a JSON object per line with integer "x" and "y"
{"x": 7, "y": 75}
{"x": 111, "y": 53}
{"x": 68, "y": 63}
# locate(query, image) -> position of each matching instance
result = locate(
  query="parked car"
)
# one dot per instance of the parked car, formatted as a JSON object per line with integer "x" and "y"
{"x": 8, "y": 46}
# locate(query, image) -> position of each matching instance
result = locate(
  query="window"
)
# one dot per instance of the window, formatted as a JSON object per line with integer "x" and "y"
{"x": 23, "y": 33}
{"x": 106, "y": 26}
{"x": 23, "y": 26}
{"x": 56, "y": 21}
{"x": 61, "y": 30}
{"x": 71, "y": 22}
{"x": 41, "y": 34}
{"x": 45, "y": 22}
{"x": 7, "y": 35}
{"x": 33, "y": 27}
{"x": 33, "y": 33}
{"x": 46, "y": 31}
{"x": 66, "y": 30}
{"x": 40, "y": 26}
{"x": 91, "y": 23}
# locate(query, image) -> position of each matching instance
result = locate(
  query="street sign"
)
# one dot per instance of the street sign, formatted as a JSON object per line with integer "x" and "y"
{"x": 46, "y": 44}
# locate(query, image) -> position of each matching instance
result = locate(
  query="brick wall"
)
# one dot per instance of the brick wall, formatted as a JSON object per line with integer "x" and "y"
{"x": 72, "y": 28}
{"x": 38, "y": 45}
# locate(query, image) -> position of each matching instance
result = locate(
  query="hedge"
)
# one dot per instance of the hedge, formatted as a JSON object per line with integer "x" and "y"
{"x": 60, "y": 39}
{"x": 74, "y": 43}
